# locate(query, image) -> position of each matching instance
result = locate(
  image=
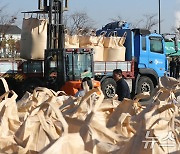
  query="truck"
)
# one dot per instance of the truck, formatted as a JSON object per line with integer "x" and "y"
{"x": 63, "y": 69}
{"x": 146, "y": 54}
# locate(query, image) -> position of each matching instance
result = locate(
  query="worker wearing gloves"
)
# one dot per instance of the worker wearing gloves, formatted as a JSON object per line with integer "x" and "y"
{"x": 82, "y": 92}
{"x": 122, "y": 89}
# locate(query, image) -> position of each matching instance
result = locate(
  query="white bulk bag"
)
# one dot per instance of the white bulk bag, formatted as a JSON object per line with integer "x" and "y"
{"x": 87, "y": 40}
{"x": 113, "y": 50}
{"x": 94, "y": 42}
{"x": 114, "y": 53}
{"x": 33, "y": 38}
{"x": 71, "y": 41}
{"x": 66, "y": 40}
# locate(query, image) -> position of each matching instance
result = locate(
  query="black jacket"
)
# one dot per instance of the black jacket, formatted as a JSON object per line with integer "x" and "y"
{"x": 172, "y": 64}
{"x": 122, "y": 89}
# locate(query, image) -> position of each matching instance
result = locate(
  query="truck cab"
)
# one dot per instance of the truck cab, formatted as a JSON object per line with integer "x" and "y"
{"x": 150, "y": 55}
{"x": 150, "y": 52}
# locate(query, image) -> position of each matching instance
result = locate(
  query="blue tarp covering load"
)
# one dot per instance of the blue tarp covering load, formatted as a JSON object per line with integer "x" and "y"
{"x": 170, "y": 49}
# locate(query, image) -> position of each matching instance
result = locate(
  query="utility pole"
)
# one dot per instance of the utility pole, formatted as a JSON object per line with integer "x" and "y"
{"x": 159, "y": 16}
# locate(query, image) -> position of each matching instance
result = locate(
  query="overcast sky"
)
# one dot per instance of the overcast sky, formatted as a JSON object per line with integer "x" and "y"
{"x": 102, "y": 10}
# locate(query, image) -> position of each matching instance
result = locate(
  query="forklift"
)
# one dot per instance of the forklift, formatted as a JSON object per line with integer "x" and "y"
{"x": 63, "y": 68}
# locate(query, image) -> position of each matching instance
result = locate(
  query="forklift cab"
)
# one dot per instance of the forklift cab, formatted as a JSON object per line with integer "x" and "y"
{"x": 78, "y": 64}
{"x": 64, "y": 70}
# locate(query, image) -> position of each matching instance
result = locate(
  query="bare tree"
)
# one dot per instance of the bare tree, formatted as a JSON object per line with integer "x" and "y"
{"x": 137, "y": 23}
{"x": 118, "y": 18}
{"x": 6, "y": 19}
{"x": 147, "y": 22}
{"x": 150, "y": 20}
{"x": 78, "y": 21}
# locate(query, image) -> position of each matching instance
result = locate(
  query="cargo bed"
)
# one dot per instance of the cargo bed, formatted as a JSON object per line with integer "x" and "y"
{"x": 107, "y": 67}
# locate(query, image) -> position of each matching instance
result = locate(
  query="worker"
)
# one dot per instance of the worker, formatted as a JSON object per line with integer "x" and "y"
{"x": 82, "y": 92}
{"x": 122, "y": 89}
{"x": 177, "y": 68}
{"x": 172, "y": 68}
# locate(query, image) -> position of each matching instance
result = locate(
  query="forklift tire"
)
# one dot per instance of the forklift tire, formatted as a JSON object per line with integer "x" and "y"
{"x": 108, "y": 87}
{"x": 145, "y": 84}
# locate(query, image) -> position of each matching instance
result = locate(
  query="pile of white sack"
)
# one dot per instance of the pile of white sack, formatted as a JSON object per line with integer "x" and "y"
{"x": 52, "y": 122}
{"x": 109, "y": 48}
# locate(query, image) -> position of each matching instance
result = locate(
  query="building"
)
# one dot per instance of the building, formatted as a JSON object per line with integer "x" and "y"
{"x": 10, "y": 35}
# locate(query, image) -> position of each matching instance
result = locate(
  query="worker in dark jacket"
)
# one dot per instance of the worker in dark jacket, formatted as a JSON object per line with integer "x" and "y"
{"x": 122, "y": 87}
{"x": 177, "y": 68}
{"x": 172, "y": 68}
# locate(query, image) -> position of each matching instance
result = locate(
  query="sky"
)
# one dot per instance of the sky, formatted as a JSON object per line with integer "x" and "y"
{"x": 101, "y": 11}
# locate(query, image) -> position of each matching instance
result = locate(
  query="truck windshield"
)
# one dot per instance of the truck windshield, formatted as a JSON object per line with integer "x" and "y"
{"x": 156, "y": 45}
{"x": 78, "y": 64}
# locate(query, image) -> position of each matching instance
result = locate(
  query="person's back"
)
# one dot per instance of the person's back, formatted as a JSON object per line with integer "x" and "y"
{"x": 122, "y": 89}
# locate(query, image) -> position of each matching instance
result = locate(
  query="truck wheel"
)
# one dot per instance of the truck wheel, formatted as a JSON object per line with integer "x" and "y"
{"x": 108, "y": 87}
{"x": 145, "y": 84}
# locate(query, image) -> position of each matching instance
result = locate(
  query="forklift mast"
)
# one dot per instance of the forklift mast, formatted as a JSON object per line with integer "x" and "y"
{"x": 54, "y": 62}
{"x": 55, "y": 9}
